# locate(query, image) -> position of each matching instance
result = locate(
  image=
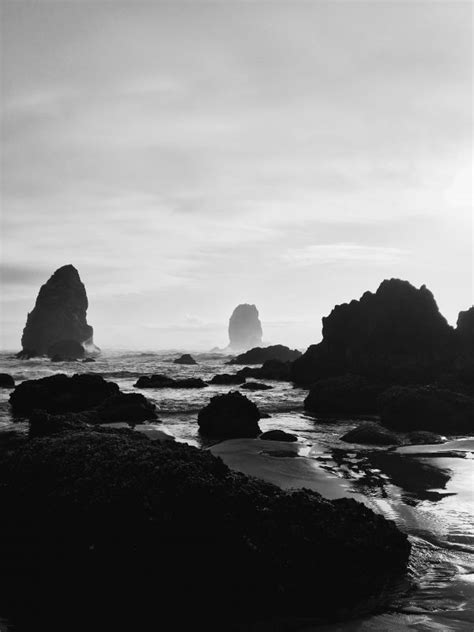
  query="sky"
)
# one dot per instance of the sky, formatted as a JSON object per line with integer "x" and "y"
{"x": 190, "y": 156}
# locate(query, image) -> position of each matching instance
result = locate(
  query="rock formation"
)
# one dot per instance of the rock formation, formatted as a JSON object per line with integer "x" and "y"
{"x": 465, "y": 329}
{"x": 370, "y": 433}
{"x": 6, "y": 381}
{"x": 343, "y": 395}
{"x": 163, "y": 381}
{"x": 259, "y": 355}
{"x": 229, "y": 416}
{"x": 245, "y": 328}
{"x": 185, "y": 359}
{"x": 395, "y": 334}
{"x": 59, "y": 315}
{"x": 278, "y": 435}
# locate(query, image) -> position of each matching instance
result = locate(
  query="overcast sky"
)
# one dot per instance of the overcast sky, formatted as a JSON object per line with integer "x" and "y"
{"x": 190, "y": 156}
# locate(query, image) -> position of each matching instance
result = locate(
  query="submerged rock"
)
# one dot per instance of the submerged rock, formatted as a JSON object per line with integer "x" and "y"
{"x": 163, "y": 381}
{"x": 60, "y": 393}
{"x": 372, "y": 434}
{"x": 229, "y": 415}
{"x": 346, "y": 395}
{"x": 185, "y": 359}
{"x": 115, "y": 506}
{"x": 256, "y": 386}
{"x": 278, "y": 435}
{"x": 227, "y": 379}
{"x": 427, "y": 408}
{"x": 259, "y": 355}
{"x": 59, "y": 316}
{"x": 396, "y": 334}
{"x": 6, "y": 381}
{"x": 245, "y": 328}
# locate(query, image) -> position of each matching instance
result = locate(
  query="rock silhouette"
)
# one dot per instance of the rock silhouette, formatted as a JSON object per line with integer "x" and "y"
{"x": 6, "y": 381}
{"x": 185, "y": 359}
{"x": 66, "y": 350}
{"x": 229, "y": 416}
{"x": 259, "y": 355}
{"x": 394, "y": 334}
{"x": 59, "y": 315}
{"x": 245, "y": 328}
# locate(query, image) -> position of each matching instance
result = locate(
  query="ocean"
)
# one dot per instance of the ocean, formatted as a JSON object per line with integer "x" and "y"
{"x": 435, "y": 506}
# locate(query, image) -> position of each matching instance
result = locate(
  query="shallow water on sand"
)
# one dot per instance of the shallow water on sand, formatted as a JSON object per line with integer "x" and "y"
{"x": 427, "y": 490}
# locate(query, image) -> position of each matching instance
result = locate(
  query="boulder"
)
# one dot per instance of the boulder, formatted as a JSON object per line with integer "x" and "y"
{"x": 229, "y": 416}
{"x": 131, "y": 408}
{"x": 245, "y": 328}
{"x": 278, "y": 435}
{"x": 259, "y": 355}
{"x": 42, "y": 424}
{"x": 59, "y": 316}
{"x": 256, "y": 386}
{"x": 429, "y": 408}
{"x": 163, "y": 381}
{"x": 6, "y": 381}
{"x": 395, "y": 335}
{"x": 423, "y": 437}
{"x": 66, "y": 350}
{"x": 185, "y": 359}
{"x": 227, "y": 379}
{"x": 343, "y": 395}
{"x": 114, "y": 506}
{"x": 372, "y": 434}
{"x": 60, "y": 393}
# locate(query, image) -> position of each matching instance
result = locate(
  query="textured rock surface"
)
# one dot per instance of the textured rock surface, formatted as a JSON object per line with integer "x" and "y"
{"x": 372, "y": 434}
{"x": 245, "y": 328}
{"x": 59, "y": 314}
{"x": 259, "y": 355}
{"x": 427, "y": 408}
{"x": 229, "y": 416}
{"x": 122, "y": 519}
{"x": 396, "y": 334}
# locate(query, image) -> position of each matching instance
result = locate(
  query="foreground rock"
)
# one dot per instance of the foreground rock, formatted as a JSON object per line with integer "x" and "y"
{"x": 229, "y": 416}
{"x": 427, "y": 408}
{"x": 396, "y": 334}
{"x": 372, "y": 434}
{"x": 185, "y": 359}
{"x": 6, "y": 381}
{"x": 346, "y": 395}
{"x": 245, "y": 328}
{"x": 259, "y": 355}
{"x": 163, "y": 381}
{"x": 60, "y": 393}
{"x": 124, "y": 519}
{"x": 59, "y": 316}
{"x": 278, "y": 435}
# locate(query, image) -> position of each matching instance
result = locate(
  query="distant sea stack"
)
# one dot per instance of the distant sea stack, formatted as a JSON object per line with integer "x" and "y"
{"x": 394, "y": 334}
{"x": 245, "y": 328}
{"x": 59, "y": 317}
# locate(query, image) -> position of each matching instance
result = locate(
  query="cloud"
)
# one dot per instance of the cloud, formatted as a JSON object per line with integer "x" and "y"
{"x": 345, "y": 253}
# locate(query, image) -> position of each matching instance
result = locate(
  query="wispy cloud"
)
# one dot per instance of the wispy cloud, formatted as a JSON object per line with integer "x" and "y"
{"x": 345, "y": 253}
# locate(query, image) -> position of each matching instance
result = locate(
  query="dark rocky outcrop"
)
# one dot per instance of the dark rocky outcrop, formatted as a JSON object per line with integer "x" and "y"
{"x": 59, "y": 316}
{"x": 6, "y": 381}
{"x": 60, "y": 394}
{"x": 270, "y": 370}
{"x": 227, "y": 379}
{"x": 66, "y": 350}
{"x": 259, "y": 355}
{"x": 372, "y": 434}
{"x": 465, "y": 330}
{"x": 278, "y": 435}
{"x": 163, "y": 381}
{"x": 396, "y": 334}
{"x": 427, "y": 408}
{"x": 423, "y": 437}
{"x": 256, "y": 386}
{"x": 122, "y": 519}
{"x": 229, "y": 416}
{"x": 132, "y": 408}
{"x": 245, "y": 328}
{"x": 185, "y": 359}
{"x": 344, "y": 395}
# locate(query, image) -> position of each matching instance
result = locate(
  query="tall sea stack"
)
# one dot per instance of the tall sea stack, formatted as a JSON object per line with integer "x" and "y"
{"x": 245, "y": 328}
{"x": 58, "y": 320}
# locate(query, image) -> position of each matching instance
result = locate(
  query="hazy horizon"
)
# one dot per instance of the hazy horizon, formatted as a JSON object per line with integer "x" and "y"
{"x": 188, "y": 157}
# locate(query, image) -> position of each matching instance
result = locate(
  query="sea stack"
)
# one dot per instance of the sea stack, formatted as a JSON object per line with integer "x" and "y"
{"x": 59, "y": 318}
{"x": 245, "y": 328}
